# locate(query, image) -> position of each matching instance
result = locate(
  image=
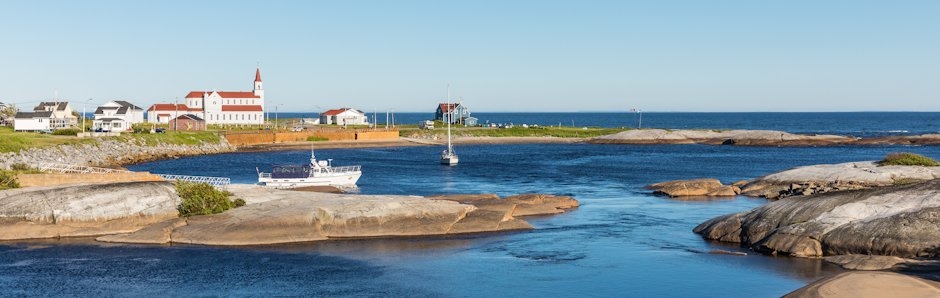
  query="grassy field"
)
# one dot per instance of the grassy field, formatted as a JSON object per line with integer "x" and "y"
{"x": 15, "y": 141}
{"x": 518, "y": 131}
{"x": 11, "y": 141}
{"x": 173, "y": 138}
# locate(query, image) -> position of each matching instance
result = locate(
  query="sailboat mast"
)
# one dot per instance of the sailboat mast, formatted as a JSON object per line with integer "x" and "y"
{"x": 450, "y": 117}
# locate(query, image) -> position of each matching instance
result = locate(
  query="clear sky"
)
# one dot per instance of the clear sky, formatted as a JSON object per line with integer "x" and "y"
{"x": 502, "y": 55}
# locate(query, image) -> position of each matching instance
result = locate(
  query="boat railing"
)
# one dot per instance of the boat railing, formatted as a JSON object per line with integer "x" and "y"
{"x": 264, "y": 175}
{"x": 345, "y": 169}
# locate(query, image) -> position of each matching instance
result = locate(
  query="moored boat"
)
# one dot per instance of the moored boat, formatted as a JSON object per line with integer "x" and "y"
{"x": 317, "y": 173}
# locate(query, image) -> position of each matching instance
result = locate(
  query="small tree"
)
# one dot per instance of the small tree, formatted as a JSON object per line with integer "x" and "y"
{"x": 202, "y": 199}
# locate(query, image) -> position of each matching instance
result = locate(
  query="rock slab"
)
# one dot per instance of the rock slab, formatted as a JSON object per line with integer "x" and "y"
{"x": 869, "y": 284}
{"x": 705, "y": 187}
{"x": 84, "y": 210}
{"x": 902, "y": 221}
{"x": 281, "y": 216}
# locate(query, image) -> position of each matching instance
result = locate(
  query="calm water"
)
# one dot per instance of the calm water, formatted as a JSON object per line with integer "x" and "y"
{"x": 621, "y": 242}
{"x": 859, "y": 124}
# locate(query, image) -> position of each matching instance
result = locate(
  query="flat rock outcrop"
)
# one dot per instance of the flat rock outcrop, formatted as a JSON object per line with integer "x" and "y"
{"x": 726, "y": 137}
{"x": 830, "y": 177}
{"x": 902, "y": 221}
{"x": 869, "y": 284}
{"x": 518, "y": 205}
{"x": 84, "y": 210}
{"x": 280, "y": 216}
{"x": 702, "y": 188}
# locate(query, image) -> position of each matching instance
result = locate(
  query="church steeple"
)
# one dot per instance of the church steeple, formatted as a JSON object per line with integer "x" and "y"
{"x": 259, "y": 88}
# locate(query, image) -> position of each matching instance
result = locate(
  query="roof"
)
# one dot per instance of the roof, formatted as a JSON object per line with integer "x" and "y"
{"x": 335, "y": 112}
{"x": 100, "y": 110}
{"x": 168, "y": 107}
{"x": 446, "y": 107}
{"x": 189, "y": 117}
{"x": 109, "y": 119}
{"x": 242, "y": 108}
{"x": 127, "y": 104}
{"x": 161, "y": 115}
{"x": 28, "y": 115}
{"x": 258, "y": 74}
{"x": 224, "y": 94}
{"x": 59, "y": 105}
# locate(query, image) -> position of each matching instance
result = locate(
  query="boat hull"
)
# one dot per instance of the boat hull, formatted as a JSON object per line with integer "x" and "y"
{"x": 452, "y": 160}
{"x": 339, "y": 179}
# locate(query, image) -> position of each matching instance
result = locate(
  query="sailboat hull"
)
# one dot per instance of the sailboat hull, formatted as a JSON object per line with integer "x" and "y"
{"x": 451, "y": 160}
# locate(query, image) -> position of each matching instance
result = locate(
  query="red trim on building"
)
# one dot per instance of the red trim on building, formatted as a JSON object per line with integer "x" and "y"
{"x": 235, "y": 108}
{"x": 168, "y": 107}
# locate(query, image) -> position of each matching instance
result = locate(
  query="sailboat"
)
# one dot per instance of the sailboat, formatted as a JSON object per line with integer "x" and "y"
{"x": 448, "y": 156}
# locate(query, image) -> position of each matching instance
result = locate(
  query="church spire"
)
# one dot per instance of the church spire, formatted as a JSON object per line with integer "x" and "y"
{"x": 258, "y": 74}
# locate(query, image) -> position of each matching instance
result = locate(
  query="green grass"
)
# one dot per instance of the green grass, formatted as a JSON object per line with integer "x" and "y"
{"x": 173, "y": 138}
{"x": 11, "y": 141}
{"x": 908, "y": 159}
{"x": 316, "y": 139}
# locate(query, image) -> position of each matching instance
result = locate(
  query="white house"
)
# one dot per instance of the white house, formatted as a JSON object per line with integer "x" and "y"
{"x": 62, "y": 114}
{"x": 344, "y": 116}
{"x": 117, "y": 116}
{"x": 32, "y": 121}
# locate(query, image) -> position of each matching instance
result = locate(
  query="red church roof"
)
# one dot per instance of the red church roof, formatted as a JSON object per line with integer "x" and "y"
{"x": 224, "y": 94}
{"x": 258, "y": 75}
{"x": 168, "y": 107}
{"x": 237, "y": 108}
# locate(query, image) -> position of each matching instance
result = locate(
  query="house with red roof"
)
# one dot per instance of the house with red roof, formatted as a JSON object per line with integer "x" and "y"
{"x": 216, "y": 107}
{"x": 344, "y": 116}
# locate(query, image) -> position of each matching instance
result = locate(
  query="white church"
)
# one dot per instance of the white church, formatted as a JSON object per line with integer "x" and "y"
{"x": 216, "y": 107}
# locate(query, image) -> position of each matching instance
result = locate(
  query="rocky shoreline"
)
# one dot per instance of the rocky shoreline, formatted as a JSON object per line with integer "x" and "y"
{"x": 145, "y": 212}
{"x": 109, "y": 153}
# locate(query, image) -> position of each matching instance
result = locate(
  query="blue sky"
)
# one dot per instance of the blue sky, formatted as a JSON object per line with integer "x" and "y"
{"x": 497, "y": 55}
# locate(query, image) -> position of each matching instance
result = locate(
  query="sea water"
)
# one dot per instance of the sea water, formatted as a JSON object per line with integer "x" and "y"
{"x": 622, "y": 242}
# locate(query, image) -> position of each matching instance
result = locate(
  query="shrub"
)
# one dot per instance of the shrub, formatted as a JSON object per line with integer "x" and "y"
{"x": 239, "y": 202}
{"x": 316, "y": 139}
{"x": 202, "y": 199}
{"x": 908, "y": 159}
{"x": 66, "y": 132}
{"x": 8, "y": 180}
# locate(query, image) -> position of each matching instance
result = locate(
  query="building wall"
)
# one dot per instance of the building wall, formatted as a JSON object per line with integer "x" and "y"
{"x": 377, "y": 135}
{"x": 187, "y": 124}
{"x": 30, "y": 124}
{"x": 267, "y": 137}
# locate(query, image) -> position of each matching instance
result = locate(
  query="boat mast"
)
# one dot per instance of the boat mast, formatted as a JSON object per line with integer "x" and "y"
{"x": 450, "y": 117}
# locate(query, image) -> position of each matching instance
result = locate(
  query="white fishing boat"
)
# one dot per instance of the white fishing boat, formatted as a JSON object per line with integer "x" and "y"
{"x": 448, "y": 156}
{"x": 317, "y": 173}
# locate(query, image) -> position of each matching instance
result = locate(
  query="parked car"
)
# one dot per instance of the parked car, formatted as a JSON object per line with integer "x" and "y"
{"x": 160, "y": 130}
{"x": 297, "y": 128}
{"x": 46, "y": 131}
